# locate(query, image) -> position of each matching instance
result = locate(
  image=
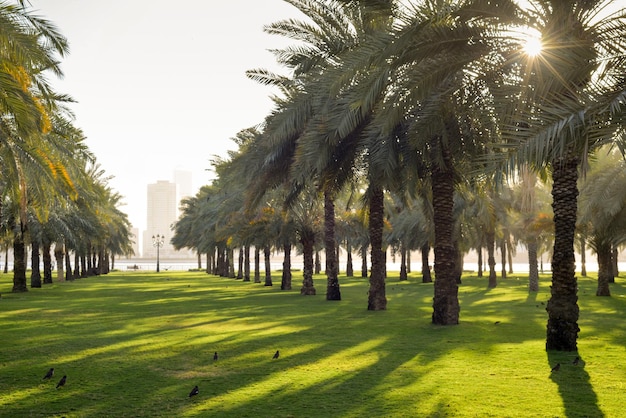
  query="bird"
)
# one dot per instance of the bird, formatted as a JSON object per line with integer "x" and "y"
{"x": 62, "y": 382}
{"x": 556, "y": 368}
{"x": 49, "y": 374}
{"x": 496, "y": 323}
{"x": 576, "y": 361}
{"x": 276, "y": 354}
{"x": 194, "y": 391}
{"x": 215, "y": 356}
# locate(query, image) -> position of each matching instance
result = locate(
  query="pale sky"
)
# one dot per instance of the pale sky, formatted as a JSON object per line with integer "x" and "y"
{"x": 161, "y": 85}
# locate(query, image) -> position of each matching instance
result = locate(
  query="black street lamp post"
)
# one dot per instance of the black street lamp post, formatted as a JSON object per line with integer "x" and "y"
{"x": 158, "y": 241}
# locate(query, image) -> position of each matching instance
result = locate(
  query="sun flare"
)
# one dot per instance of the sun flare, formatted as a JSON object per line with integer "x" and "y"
{"x": 533, "y": 46}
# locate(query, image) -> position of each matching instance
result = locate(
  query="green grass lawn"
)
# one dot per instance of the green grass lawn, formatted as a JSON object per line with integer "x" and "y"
{"x": 135, "y": 344}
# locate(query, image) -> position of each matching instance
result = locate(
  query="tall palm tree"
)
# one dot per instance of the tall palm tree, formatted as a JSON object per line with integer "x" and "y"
{"x": 31, "y": 48}
{"x": 574, "y": 82}
{"x": 603, "y": 208}
{"x": 301, "y": 130}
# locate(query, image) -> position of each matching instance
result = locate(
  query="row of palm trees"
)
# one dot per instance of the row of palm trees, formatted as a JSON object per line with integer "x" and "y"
{"x": 54, "y": 196}
{"x": 424, "y": 99}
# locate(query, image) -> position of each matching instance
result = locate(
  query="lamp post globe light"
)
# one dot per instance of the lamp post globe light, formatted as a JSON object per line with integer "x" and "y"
{"x": 158, "y": 241}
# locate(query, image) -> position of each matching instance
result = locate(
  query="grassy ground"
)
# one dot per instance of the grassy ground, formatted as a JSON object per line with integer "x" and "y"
{"x": 135, "y": 344}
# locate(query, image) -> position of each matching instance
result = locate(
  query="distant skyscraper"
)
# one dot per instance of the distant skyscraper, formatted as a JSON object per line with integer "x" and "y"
{"x": 183, "y": 181}
{"x": 162, "y": 212}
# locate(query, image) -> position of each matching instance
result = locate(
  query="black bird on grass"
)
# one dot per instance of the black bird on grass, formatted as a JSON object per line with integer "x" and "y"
{"x": 49, "y": 374}
{"x": 576, "y": 361}
{"x": 556, "y": 368}
{"x": 215, "y": 356}
{"x": 276, "y": 354}
{"x": 194, "y": 391}
{"x": 62, "y": 382}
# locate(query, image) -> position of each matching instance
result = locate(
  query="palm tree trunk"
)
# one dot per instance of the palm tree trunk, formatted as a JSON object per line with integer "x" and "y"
{"x": 426, "y": 276}
{"x": 479, "y": 252}
{"x": 19, "y": 263}
{"x": 69, "y": 274}
{"x": 503, "y": 253}
{"x": 605, "y": 269}
{"x": 268, "y": 268}
{"x": 308, "y": 241}
{"x": 349, "y": 266}
{"x": 257, "y": 264}
{"x": 337, "y": 258}
{"x": 246, "y": 263}
{"x": 562, "y": 327}
{"x": 445, "y": 302}
{"x": 364, "y": 271}
{"x": 47, "y": 264}
{"x": 58, "y": 256}
{"x": 533, "y": 271}
{"x": 332, "y": 285}
{"x": 83, "y": 266}
{"x": 377, "y": 300}
{"x": 408, "y": 261}
{"x": 491, "y": 259}
{"x": 240, "y": 264}
{"x": 76, "y": 265}
{"x": 509, "y": 252}
{"x": 286, "y": 279}
{"x": 231, "y": 262}
{"x": 403, "y": 269}
{"x": 35, "y": 275}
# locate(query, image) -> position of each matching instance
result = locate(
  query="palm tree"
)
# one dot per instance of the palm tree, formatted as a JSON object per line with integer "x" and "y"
{"x": 574, "y": 81}
{"x": 603, "y": 208}
{"x": 299, "y": 130}
{"x": 31, "y": 47}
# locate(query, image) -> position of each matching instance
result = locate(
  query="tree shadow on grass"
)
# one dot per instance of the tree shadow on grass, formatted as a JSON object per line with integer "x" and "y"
{"x": 356, "y": 363}
{"x": 579, "y": 398}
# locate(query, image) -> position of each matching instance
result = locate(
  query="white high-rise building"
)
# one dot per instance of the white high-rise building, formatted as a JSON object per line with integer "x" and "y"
{"x": 162, "y": 212}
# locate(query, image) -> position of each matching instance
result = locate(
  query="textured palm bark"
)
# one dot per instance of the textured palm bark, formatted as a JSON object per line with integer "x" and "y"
{"x": 246, "y": 263}
{"x": 426, "y": 276}
{"x": 480, "y": 261}
{"x": 230, "y": 255}
{"x": 35, "y": 275}
{"x": 562, "y": 328}
{"x": 47, "y": 264}
{"x": 19, "y": 264}
{"x": 58, "y": 256}
{"x": 503, "y": 259}
{"x": 69, "y": 274}
{"x": 377, "y": 299}
{"x": 491, "y": 259}
{"x": 533, "y": 269}
{"x": 285, "y": 283}
{"x": 403, "y": 269}
{"x": 605, "y": 269}
{"x": 257, "y": 265}
{"x": 445, "y": 302}
{"x": 307, "y": 241}
{"x": 349, "y": 266}
{"x": 240, "y": 264}
{"x": 332, "y": 284}
{"x": 364, "y": 271}
{"x": 268, "y": 268}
